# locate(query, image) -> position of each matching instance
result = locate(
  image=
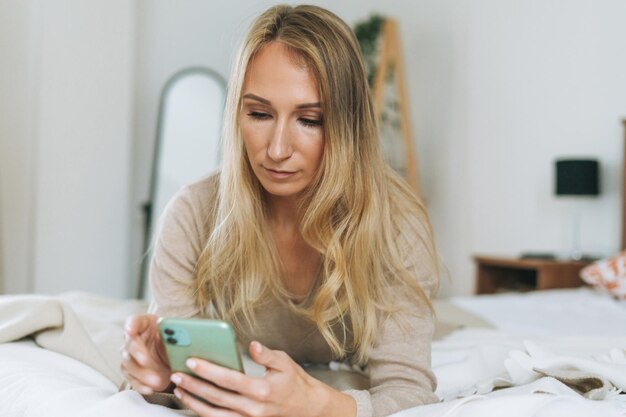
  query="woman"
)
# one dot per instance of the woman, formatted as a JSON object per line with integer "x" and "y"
{"x": 305, "y": 241}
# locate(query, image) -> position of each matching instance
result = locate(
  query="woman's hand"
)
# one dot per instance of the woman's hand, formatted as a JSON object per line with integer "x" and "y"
{"x": 144, "y": 361}
{"x": 285, "y": 390}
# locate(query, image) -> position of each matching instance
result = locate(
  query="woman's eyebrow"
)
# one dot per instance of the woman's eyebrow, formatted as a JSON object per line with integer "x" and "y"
{"x": 309, "y": 105}
{"x": 269, "y": 103}
{"x": 257, "y": 98}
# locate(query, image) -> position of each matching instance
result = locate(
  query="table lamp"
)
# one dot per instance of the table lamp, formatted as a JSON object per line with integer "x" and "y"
{"x": 577, "y": 178}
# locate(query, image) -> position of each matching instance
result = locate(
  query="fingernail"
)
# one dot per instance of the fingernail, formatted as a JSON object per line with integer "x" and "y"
{"x": 140, "y": 358}
{"x": 177, "y": 393}
{"x": 176, "y": 379}
{"x": 145, "y": 390}
{"x": 191, "y": 363}
{"x": 258, "y": 347}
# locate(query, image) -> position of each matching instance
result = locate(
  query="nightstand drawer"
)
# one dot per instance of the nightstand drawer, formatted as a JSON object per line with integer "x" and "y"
{"x": 498, "y": 274}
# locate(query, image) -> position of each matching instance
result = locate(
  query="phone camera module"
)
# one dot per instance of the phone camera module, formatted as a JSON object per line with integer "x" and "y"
{"x": 172, "y": 340}
{"x": 168, "y": 331}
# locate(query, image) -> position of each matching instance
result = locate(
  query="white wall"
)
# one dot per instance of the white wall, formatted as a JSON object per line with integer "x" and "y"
{"x": 19, "y": 43}
{"x": 84, "y": 147}
{"x": 545, "y": 81}
{"x": 72, "y": 141}
{"x": 498, "y": 90}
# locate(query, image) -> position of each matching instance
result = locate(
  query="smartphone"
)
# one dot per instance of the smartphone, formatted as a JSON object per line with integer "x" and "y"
{"x": 213, "y": 340}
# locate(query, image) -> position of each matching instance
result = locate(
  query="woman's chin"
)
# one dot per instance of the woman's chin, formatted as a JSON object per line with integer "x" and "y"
{"x": 284, "y": 190}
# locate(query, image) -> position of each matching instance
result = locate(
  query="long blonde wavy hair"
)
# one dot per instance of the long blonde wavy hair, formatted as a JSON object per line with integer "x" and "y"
{"x": 349, "y": 214}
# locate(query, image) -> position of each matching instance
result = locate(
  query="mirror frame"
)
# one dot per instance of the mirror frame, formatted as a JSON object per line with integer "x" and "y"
{"x": 146, "y": 208}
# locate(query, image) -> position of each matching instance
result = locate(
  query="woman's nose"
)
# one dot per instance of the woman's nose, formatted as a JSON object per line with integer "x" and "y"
{"x": 279, "y": 147}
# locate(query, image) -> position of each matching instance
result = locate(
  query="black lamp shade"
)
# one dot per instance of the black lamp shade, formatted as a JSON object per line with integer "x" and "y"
{"x": 577, "y": 177}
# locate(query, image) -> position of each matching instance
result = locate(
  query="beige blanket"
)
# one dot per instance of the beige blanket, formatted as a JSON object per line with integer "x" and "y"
{"x": 89, "y": 328}
{"x": 83, "y": 326}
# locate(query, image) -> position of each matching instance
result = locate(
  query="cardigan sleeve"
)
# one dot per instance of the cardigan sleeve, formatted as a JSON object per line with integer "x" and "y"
{"x": 175, "y": 254}
{"x": 399, "y": 362}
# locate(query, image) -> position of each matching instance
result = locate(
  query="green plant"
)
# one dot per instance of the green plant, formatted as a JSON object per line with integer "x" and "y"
{"x": 368, "y": 35}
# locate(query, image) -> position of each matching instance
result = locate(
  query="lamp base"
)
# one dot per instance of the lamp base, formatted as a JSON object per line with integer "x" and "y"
{"x": 576, "y": 255}
{"x": 579, "y": 256}
{"x": 548, "y": 256}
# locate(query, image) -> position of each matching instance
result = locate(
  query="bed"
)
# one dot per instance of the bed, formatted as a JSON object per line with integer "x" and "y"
{"x": 545, "y": 353}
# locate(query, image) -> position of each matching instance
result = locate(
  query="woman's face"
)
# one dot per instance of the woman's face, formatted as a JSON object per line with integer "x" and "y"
{"x": 281, "y": 121}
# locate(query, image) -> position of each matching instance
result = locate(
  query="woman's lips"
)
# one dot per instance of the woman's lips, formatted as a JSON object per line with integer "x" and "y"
{"x": 279, "y": 175}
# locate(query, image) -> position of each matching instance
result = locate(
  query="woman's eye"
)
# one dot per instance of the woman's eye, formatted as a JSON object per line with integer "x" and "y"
{"x": 310, "y": 122}
{"x": 258, "y": 115}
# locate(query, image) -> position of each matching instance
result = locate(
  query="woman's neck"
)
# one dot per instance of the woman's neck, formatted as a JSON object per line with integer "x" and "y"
{"x": 300, "y": 263}
{"x": 283, "y": 212}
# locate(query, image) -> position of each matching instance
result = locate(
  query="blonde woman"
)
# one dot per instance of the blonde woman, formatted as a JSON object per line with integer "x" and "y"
{"x": 305, "y": 241}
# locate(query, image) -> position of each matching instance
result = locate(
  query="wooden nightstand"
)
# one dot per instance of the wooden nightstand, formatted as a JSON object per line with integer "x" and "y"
{"x": 495, "y": 274}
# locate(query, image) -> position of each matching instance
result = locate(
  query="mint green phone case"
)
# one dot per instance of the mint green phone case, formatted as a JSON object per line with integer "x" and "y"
{"x": 213, "y": 340}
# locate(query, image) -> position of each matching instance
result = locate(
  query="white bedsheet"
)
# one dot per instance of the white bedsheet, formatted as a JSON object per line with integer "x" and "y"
{"x": 36, "y": 382}
{"x": 469, "y": 363}
{"x": 474, "y": 361}
{"x": 564, "y": 331}
{"x": 564, "y": 312}
{"x": 545, "y": 397}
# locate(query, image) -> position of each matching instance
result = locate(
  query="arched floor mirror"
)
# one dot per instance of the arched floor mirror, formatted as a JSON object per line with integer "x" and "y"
{"x": 187, "y": 145}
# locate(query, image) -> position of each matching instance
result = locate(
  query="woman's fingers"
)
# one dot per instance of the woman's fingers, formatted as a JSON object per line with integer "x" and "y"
{"x": 139, "y": 323}
{"x": 148, "y": 377}
{"x": 282, "y": 391}
{"x": 256, "y": 388}
{"x": 142, "y": 362}
{"x": 211, "y": 393}
{"x": 126, "y": 367}
{"x": 202, "y": 408}
{"x": 138, "y": 350}
{"x": 272, "y": 359}
{"x": 138, "y": 386}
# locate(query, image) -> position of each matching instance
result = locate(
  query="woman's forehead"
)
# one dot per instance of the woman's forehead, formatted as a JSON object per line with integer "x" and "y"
{"x": 274, "y": 73}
